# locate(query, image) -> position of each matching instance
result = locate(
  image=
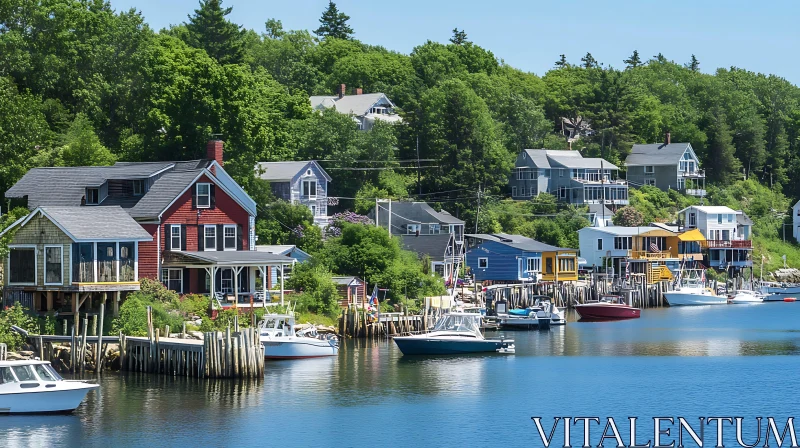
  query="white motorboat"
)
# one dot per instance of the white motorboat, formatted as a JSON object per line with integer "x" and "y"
{"x": 778, "y": 292}
{"x": 280, "y": 340}
{"x": 35, "y": 387}
{"x": 453, "y": 334}
{"x": 746, "y": 296}
{"x": 691, "y": 290}
{"x": 546, "y": 304}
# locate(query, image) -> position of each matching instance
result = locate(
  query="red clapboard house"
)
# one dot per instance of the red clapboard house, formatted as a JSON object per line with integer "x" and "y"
{"x": 200, "y": 220}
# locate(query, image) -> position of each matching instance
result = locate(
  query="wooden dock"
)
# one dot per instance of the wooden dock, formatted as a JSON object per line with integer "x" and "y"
{"x": 357, "y": 323}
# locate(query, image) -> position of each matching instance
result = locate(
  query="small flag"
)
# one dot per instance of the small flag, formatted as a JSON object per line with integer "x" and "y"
{"x": 654, "y": 247}
{"x": 373, "y": 299}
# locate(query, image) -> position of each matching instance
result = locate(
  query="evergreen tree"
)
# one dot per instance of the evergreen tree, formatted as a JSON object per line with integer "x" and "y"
{"x": 208, "y": 29}
{"x": 459, "y": 37}
{"x": 694, "y": 64}
{"x": 589, "y": 61}
{"x": 722, "y": 165}
{"x": 660, "y": 58}
{"x": 562, "y": 62}
{"x": 334, "y": 24}
{"x": 634, "y": 60}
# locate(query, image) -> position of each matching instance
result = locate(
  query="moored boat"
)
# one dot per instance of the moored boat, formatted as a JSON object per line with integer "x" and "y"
{"x": 608, "y": 308}
{"x": 746, "y": 296}
{"x": 452, "y": 334}
{"x": 280, "y": 341}
{"x": 35, "y": 387}
{"x": 777, "y": 292}
{"x": 690, "y": 290}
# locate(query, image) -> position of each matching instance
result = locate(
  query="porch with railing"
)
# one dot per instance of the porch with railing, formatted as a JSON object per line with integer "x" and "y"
{"x": 727, "y": 244}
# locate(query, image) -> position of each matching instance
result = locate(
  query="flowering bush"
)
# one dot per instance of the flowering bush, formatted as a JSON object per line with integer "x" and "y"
{"x": 334, "y": 229}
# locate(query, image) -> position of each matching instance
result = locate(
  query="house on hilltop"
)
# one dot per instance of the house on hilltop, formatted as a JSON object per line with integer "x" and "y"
{"x": 366, "y": 108}
{"x": 666, "y": 166}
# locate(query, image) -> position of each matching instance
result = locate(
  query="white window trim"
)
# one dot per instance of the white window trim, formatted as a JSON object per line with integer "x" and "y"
{"x": 649, "y": 169}
{"x": 225, "y": 237}
{"x": 430, "y": 228}
{"x": 650, "y": 182}
{"x": 169, "y": 277}
{"x": 140, "y": 184}
{"x": 528, "y": 264}
{"x": 485, "y": 261}
{"x": 87, "y": 196}
{"x": 197, "y": 195}
{"x": 35, "y": 263}
{"x": 303, "y": 188}
{"x": 205, "y": 238}
{"x": 172, "y": 245}
{"x": 513, "y": 192}
{"x": 600, "y": 244}
{"x": 44, "y": 264}
{"x": 416, "y": 228}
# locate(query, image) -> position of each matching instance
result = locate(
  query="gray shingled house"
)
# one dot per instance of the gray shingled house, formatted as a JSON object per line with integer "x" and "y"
{"x": 568, "y": 176}
{"x": 302, "y": 182}
{"x": 667, "y": 166}
{"x": 417, "y": 218}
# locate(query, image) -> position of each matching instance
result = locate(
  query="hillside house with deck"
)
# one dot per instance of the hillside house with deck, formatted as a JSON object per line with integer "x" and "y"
{"x": 568, "y": 176}
{"x": 727, "y": 234}
{"x": 365, "y": 108}
{"x": 666, "y": 166}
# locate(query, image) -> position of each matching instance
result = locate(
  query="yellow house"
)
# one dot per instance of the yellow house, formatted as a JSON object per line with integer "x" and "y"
{"x": 654, "y": 252}
{"x": 561, "y": 266}
{"x": 690, "y": 245}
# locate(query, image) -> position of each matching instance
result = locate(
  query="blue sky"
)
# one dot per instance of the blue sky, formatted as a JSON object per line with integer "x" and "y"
{"x": 531, "y": 34}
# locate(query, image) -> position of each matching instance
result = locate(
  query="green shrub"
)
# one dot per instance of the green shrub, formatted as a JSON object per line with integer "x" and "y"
{"x": 156, "y": 291}
{"x": 192, "y": 305}
{"x": 132, "y": 320}
{"x": 15, "y": 315}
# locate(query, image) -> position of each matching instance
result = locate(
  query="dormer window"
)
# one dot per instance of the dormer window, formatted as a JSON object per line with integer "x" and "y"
{"x": 92, "y": 196}
{"x": 138, "y": 187}
{"x": 203, "y": 195}
{"x": 309, "y": 188}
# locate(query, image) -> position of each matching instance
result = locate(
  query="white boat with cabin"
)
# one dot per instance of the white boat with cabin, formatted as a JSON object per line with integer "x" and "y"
{"x": 453, "y": 334}
{"x": 281, "y": 341}
{"x": 691, "y": 290}
{"x": 35, "y": 387}
{"x": 747, "y": 296}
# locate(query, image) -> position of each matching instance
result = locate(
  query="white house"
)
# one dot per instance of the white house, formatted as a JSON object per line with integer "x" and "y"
{"x": 727, "y": 233}
{"x": 365, "y": 108}
{"x": 608, "y": 246}
{"x": 303, "y": 182}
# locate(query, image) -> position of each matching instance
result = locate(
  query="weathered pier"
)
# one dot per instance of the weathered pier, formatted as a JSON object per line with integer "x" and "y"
{"x": 358, "y": 323}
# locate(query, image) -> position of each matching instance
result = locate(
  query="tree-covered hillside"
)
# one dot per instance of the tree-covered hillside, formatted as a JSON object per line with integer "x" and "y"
{"x": 81, "y": 83}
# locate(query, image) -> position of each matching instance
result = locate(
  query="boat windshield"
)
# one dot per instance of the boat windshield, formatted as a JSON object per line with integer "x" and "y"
{"x": 458, "y": 322}
{"x": 44, "y": 373}
{"x": 24, "y": 373}
{"x": 6, "y": 376}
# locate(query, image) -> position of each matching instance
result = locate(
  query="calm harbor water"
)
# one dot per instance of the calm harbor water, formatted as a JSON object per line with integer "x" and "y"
{"x": 736, "y": 360}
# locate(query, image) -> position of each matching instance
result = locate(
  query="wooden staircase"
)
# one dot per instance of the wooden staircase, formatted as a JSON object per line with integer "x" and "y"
{"x": 657, "y": 272}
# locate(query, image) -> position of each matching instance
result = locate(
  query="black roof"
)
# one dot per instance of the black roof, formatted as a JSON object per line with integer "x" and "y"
{"x": 433, "y": 246}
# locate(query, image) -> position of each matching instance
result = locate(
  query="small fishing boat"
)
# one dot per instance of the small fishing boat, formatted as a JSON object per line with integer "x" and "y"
{"x": 691, "y": 290}
{"x": 452, "y": 334}
{"x": 280, "y": 340}
{"x": 607, "y": 308}
{"x": 546, "y": 304}
{"x": 746, "y": 296}
{"x": 524, "y": 319}
{"x": 35, "y": 387}
{"x": 777, "y": 292}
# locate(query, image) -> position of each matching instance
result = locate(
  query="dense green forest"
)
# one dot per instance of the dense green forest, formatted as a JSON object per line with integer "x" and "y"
{"x": 82, "y": 84}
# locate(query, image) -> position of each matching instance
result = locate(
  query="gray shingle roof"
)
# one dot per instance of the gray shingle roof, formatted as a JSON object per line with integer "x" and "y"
{"x": 433, "y": 246}
{"x": 163, "y": 192}
{"x": 239, "y": 257}
{"x": 414, "y": 212}
{"x": 656, "y": 154}
{"x": 518, "y": 242}
{"x": 96, "y": 223}
{"x": 285, "y": 171}
{"x": 570, "y": 161}
{"x": 345, "y": 280}
{"x": 539, "y": 157}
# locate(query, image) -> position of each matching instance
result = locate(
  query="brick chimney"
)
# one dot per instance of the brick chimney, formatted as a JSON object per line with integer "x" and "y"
{"x": 342, "y": 89}
{"x": 359, "y": 91}
{"x": 214, "y": 150}
{"x": 667, "y": 139}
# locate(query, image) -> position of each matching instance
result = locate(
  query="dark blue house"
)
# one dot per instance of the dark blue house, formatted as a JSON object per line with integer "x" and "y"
{"x": 501, "y": 257}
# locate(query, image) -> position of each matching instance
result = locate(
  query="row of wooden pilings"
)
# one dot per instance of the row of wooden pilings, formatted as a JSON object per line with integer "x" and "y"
{"x": 228, "y": 354}
{"x": 357, "y": 323}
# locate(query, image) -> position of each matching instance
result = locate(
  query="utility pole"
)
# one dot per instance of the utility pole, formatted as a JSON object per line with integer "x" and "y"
{"x": 419, "y": 182}
{"x": 478, "y": 214}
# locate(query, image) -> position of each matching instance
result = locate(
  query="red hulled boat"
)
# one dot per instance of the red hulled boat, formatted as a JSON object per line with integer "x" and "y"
{"x": 608, "y": 308}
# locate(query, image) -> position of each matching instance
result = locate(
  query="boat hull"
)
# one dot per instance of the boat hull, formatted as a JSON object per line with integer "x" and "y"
{"x": 45, "y": 401}
{"x": 524, "y": 323}
{"x": 607, "y": 312}
{"x": 778, "y": 294}
{"x": 414, "y": 345}
{"x": 677, "y": 298}
{"x": 298, "y": 348}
